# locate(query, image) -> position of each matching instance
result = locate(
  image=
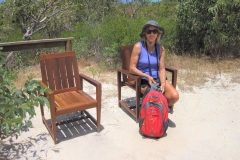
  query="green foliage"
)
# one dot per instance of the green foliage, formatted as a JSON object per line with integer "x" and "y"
{"x": 100, "y": 38}
{"x": 17, "y": 105}
{"x": 80, "y": 46}
{"x": 121, "y": 31}
{"x": 99, "y": 27}
{"x": 212, "y": 26}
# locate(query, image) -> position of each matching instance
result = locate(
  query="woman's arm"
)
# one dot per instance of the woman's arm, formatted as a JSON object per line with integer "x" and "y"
{"x": 162, "y": 70}
{"x": 133, "y": 63}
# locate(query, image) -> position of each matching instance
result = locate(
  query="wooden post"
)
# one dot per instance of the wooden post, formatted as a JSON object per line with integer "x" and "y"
{"x": 68, "y": 46}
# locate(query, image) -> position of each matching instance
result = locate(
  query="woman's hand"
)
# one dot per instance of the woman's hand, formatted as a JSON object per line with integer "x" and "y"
{"x": 162, "y": 87}
{"x": 150, "y": 80}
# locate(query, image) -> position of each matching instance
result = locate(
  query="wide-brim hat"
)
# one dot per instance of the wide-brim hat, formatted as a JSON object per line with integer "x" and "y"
{"x": 152, "y": 23}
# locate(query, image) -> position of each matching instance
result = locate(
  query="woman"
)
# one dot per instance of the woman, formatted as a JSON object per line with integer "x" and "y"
{"x": 147, "y": 61}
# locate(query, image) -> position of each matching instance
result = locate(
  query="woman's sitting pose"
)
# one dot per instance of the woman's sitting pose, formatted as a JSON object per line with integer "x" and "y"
{"x": 147, "y": 61}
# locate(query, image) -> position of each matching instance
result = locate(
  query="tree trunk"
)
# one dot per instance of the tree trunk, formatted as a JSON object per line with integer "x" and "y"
{"x": 11, "y": 60}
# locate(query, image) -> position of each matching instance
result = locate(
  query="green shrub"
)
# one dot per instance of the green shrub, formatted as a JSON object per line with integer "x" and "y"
{"x": 17, "y": 105}
{"x": 210, "y": 26}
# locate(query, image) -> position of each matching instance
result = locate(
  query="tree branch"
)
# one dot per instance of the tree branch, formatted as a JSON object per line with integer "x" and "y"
{"x": 40, "y": 23}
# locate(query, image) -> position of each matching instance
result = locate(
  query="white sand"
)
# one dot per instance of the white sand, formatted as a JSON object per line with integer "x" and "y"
{"x": 204, "y": 125}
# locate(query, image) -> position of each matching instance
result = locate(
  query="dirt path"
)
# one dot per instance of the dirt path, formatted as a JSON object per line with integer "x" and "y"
{"x": 204, "y": 125}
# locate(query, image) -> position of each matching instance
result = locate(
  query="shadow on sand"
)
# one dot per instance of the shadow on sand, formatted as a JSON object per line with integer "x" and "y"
{"x": 38, "y": 146}
{"x": 74, "y": 129}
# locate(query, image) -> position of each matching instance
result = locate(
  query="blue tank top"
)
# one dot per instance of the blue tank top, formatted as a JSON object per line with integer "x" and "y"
{"x": 143, "y": 64}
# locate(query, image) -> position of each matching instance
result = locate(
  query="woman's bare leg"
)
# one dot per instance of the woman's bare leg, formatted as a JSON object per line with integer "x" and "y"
{"x": 171, "y": 94}
{"x": 143, "y": 90}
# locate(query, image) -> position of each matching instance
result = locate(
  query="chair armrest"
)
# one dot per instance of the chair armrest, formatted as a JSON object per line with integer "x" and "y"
{"x": 127, "y": 73}
{"x": 174, "y": 75}
{"x": 134, "y": 78}
{"x": 93, "y": 82}
{"x": 88, "y": 79}
{"x": 170, "y": 69}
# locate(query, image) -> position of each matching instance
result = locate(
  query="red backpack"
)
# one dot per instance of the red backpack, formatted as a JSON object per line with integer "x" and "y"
{"x": 153, "y": 118}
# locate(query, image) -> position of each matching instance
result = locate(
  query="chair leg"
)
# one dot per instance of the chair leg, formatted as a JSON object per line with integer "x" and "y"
{"x": 53, "y": 118}
{"x": 54, "y": 130}
{"x": 171, "y": 109}
{"x": 98, "y": 117}
{"x": 81, "y": 113}
{"x": 42, "y": 112}
{"x": 138, "y": 92}
{"x": 137, "y": 107}
{"x": 119, "y": 87}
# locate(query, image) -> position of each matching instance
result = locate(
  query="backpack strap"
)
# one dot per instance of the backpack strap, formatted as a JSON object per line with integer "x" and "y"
{"x": 156, "y": 87}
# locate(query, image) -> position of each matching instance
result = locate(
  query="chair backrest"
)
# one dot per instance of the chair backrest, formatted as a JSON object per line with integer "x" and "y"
{"x": 125, "y": 52}
{"x": 60, "y": 70}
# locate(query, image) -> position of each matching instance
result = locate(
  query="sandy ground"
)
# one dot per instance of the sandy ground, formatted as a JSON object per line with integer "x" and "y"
{"x": 204, "y": 125}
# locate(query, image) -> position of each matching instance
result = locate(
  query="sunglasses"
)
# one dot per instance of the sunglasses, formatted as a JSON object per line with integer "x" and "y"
{"x": 155, "y": 31}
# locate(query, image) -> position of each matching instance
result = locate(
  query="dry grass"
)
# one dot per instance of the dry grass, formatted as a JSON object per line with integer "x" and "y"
{"x": 194, "y": 71}
{"x": 25, "y": 72}
{"x": 191, "y": 71}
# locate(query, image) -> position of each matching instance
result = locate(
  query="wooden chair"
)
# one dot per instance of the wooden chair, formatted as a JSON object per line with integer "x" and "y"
{"x": 60, "y": 73}
{"x": 125, "y": 78}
